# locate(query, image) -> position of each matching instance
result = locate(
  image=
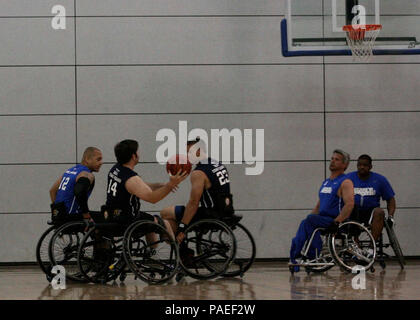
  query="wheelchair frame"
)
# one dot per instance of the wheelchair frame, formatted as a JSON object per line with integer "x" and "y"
{"x": 393, "y": 243}
{"x": 75, "y": 233}
{"x": 325, "y": 260}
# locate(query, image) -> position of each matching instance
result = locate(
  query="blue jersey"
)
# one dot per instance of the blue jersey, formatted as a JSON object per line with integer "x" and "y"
{"x": 330, "y": 203}
{"x": 368, "y": 193}
{"x": 219, "y": 179}
{"x": 65, "y": 191}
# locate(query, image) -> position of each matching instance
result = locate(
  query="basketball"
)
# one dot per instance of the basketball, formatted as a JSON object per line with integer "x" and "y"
{"x": 177, "y": 162}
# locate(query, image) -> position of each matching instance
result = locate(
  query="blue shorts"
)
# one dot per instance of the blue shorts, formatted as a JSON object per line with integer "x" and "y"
{"x": 199, "y": 215}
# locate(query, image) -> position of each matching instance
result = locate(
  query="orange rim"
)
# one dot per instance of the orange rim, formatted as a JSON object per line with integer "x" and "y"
{"x": 365, "y": 27}
{"x": 358, "y": 32}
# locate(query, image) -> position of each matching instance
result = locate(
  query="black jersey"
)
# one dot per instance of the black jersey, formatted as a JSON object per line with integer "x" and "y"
{"x": 215, "y": 196}
{"x": 117, "y": 196}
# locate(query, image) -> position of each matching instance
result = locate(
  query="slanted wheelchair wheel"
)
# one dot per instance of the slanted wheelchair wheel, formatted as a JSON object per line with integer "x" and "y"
{"x": 324, "y": 256}
{"x": 63, "y": 248}
{"x": 100, "y": 259}
{"x": 150, "y": 252}
{"x": 211, "y": 247}
{"x": 42, "y": 252}
{"x": 395, "y": 244}
{"x": 245, "y": 252}
{"x": 352, "y": 246}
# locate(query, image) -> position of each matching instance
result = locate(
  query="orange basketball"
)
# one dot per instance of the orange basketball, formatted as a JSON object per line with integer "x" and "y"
{"x": 177, "y": 162}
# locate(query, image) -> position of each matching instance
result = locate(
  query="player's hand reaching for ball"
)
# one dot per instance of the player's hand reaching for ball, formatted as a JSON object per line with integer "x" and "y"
{"x": 175, "y": 180}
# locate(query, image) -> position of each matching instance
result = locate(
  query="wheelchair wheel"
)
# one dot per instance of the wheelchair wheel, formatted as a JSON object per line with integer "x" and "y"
{"x": 150, "y": 252}
{"x": 245, "y": 252}
{"x": 352, "y": 246}
{"x": 63, "y": 248}
{"x": 100, "y": 259}
{"x": 211, "y": 247}
{"x": 395, "y": 244}
{"x": 42, "y": 252}
{"x": 324, "y": 256}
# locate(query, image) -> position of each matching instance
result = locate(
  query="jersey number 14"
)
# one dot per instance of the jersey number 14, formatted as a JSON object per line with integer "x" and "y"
{"x": 112, "y": 187}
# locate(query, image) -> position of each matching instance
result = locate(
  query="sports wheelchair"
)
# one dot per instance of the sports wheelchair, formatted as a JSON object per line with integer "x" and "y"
{"x": 59, "y": 218}
{"x": 112, "y": 246}
{"x": 381, "y": 256}
{"x": 353, "y": 245}
{"x": 108, "y": 250}
{"x": 218, "y": 244}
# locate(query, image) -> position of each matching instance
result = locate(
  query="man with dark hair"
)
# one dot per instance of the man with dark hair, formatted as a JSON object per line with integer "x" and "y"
{"x": 70, "y": 193}
{"x": 335, "y": 204}
{"x": 125, "y": 188}
{"x": 210, "y": 188}
{"x": 369, "y": 188}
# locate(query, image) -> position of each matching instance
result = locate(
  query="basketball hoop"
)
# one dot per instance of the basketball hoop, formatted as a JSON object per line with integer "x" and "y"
{"x": 361, "y": 39}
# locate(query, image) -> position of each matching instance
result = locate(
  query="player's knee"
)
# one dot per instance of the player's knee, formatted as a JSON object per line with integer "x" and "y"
{"x": 168, "y": 213}
{"x": 311, "y": 218}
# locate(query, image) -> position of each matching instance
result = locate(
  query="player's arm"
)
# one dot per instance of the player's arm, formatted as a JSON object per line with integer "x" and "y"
{"x": 391, "y": 206}
{"x": 155, "y": 186}
{"x": 81, "y": 191}
{"x": 54, "y": 189}
{"x": 347, "y": 194}
{"x": 135, "y": 185}
{"x": 316, "y": 209}
{"x": 198, "y": 180}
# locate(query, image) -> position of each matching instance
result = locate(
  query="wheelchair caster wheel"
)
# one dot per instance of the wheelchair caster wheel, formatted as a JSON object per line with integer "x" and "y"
{"x": 291, "y": 269}
{"x": 123, "y": 276}
{"x": 372, "y": 269}
{"x": 382, "y": 264}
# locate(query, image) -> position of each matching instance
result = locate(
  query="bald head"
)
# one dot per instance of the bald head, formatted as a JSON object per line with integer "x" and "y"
{"x": 89, "y": 153}
{"x": 92, "y": 158}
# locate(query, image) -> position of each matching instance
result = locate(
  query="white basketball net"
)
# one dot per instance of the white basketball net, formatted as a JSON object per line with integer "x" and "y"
{"x": 361, "y": 40}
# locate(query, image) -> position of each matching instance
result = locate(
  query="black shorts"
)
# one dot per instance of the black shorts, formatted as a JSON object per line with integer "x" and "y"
{"x": 362, "y": 215}
{"x": 121, "y": 217}
{"x": 202, "y": 213}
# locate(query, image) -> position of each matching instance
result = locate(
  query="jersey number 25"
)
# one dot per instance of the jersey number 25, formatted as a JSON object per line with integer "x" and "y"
{"x": 223, "y": 177}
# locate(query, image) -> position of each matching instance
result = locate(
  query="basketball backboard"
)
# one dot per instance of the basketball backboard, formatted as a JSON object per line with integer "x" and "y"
{"x": 315, "y": 27}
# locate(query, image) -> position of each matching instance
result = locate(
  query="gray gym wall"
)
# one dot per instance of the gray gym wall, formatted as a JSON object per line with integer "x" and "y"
{"x": 127, "y": 68}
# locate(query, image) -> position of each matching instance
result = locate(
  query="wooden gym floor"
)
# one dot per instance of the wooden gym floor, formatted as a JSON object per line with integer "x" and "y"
{"x": 266, "y": 281}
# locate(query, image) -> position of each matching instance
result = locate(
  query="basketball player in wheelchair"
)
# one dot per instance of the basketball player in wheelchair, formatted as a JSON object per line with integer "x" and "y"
{"x": 69, "y": 195}
{"x": 369, "y": 188}
{"x": 130, "y": 236}
{"x": 204, "y": 226}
